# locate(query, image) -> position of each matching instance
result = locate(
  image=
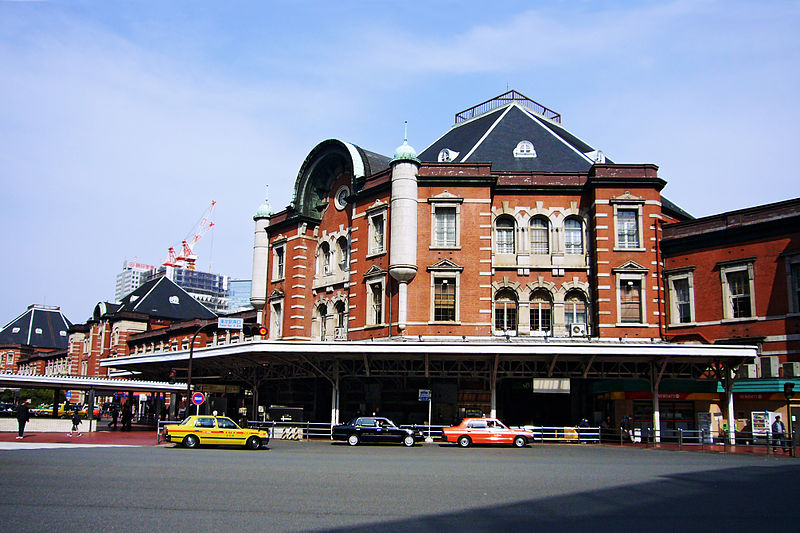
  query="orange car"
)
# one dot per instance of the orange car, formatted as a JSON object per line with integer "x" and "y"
{"x": 486, "y": 431}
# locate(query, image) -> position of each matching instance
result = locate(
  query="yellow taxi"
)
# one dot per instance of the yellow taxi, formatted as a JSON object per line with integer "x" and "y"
{"x": 217, "y": 430}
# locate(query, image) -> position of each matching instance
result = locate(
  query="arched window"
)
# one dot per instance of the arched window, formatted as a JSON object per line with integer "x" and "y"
{"x": 540, "y": 236}
{"x": 325, "y": 258}
{"x": 575, "y": 308}
{"x": 505, "y": 312}
{"x": 344, "y": 254}
{"x": 504, "y": 234}
{"x": 322, "y": 311}
{"x": 541, "y": 311}
{"x": 573, "y": 236}
{"x": 341, "y": 315}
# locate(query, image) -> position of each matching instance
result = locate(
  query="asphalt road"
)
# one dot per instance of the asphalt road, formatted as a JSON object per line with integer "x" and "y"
{"x": 321, "y": 486}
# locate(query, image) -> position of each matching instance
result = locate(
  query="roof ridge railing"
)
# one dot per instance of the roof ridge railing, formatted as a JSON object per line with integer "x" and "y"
{"x": 504, "y": 99}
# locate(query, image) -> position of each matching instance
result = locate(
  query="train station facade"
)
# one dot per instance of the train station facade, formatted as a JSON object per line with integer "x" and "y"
{"x": 509, "y": 267}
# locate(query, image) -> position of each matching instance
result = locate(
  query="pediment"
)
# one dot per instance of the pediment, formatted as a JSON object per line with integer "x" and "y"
{"x": 276, "y": 295}
{"x": 630, "y": 266}
{"x": 445, "y": 265}
{"x": 627, "y": 197}
{"x": 374, "y": 271}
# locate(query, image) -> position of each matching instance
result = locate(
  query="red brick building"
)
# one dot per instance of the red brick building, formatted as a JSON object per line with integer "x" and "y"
{"x": 27, "y": 339}
{"x": 735, "y": 278}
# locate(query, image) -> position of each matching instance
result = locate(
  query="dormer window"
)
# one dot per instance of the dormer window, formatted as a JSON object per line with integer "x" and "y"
{"x": 524, "y": 149}
{"x": 174, "y": 300}
{"x": 14, "y": 330}
{"x": 38, "y": 331}
{"x": 62, "y": 333}
{"x": 134, "y": 298}
{"x": 447, "y": 155}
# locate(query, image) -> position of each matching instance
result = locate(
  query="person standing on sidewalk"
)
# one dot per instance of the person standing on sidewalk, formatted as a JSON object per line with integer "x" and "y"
{"x": 779, "y": 435}
{"x": 76, "y": 421}
{"x": 23, "y": 415}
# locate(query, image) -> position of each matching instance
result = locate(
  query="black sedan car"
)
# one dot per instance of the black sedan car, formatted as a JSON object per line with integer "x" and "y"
{"x": 374, "y": 429}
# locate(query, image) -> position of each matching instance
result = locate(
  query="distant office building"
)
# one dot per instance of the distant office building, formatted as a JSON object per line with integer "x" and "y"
{"x": 207, "y": 288}
{"x": 133, "y": 275}
{"x": 239, "y": 290}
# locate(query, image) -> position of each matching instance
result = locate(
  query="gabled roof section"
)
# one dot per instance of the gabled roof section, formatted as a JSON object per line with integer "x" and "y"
{"x": 162, "y": 298}
{"x": 496, "y": 137}
{"x": 40, "y": 326}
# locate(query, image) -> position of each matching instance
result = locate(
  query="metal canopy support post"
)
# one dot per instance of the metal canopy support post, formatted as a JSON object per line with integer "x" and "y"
{"x": 90, "y": 409}
{"x": 493, "y": 412}
{"x": 335, "y": 395}
{"x": 656, "y": 383}
{"x": 729, "y": 397}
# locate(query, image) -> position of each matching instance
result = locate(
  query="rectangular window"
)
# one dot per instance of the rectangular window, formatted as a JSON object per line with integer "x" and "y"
{"x": 540, "y": 243}
{"x": 376, "y": 304}
{"x": 796, "y": 286}
{"x": 277, "y": 320}
{"x": 444, "y": 302}
{"x": 445, "y": 230}
{"x": 739, "y": 293}
{"x": 683, "y": 300}
{"x": 627, "y": 228}
{"x": 541, "y": 316}
{"x": 278, "y": 265}
{"x": 377, "y": 234}
{"x": 505, "y": 237}
{"x": 630, "y": 301}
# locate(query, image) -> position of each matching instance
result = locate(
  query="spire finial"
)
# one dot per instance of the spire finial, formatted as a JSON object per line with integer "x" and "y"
{"x": 405, "y": 131}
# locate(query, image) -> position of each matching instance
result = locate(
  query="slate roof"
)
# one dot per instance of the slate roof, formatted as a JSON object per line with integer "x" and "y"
{"x": 40, "y": 327}
{"x": 162, "y": 298}
{"x": 493, "y": 136}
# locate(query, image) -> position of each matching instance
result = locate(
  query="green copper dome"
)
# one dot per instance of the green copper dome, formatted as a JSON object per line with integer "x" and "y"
{"x": 405, "y": 152}
{"x": 264, "y": 210}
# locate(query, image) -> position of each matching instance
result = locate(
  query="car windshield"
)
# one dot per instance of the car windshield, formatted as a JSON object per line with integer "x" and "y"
{"x": 385, "y": 423}
{"x": 206, "y": 422}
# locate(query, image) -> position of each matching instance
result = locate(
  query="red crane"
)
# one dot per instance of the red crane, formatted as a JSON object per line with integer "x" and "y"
{"x": 186, "y": 257}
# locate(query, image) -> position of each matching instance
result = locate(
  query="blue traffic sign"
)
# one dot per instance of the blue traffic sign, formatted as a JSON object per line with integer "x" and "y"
{"x": 198, "y": 398}
{"x": 424, "y": 395}
{"x": 68, "y": 395}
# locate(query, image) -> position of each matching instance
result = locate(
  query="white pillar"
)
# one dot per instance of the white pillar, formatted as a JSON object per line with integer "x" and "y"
{"x": 258, "y": 291}
{"x": 403, "y": 237}
{"x": 729, "y": 392}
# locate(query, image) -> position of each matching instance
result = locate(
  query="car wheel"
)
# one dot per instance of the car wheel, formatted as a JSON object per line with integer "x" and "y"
{"x": 464, "y": 441}
{"x": 253, "y": 443}
{"x": 352, "y": 440}
{"x": 409, "y": 440}
{"x": 520, "y": 442}
{"x": 191, "y": 441}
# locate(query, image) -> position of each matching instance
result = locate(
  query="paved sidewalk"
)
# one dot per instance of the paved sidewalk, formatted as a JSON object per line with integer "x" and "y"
{"x": 137, "y": 437}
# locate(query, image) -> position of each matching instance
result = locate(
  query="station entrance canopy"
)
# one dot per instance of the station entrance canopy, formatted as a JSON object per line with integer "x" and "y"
{"x": 86, "y": 383}
{"x": 467, "y": 359}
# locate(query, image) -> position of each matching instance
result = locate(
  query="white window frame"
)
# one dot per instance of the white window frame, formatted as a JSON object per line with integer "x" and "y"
{"x": 531, "y": 230}
{"x": 276, "y": 319}
{"x": 512, "y": 232}
{"x": 624, "y": 244}
{"x": 582, "y": 232}
{"x": 533, "y": 305}
{"x": 439, "y": 207}
{"x": 278, "y": 261}
{"x": 343, "y": 254}
{"x": 324, "y": 259}
{"x": 376, "y": 246}
{"x": 641, "y": 277}
{"x": 674, "y": 311}
{"x": 371, "y": 316}
{"x": 509, "y": 332}
{"x": 446, "y": 275}
{"x": 571, "y": 312}
{"x": 745, "y": 266}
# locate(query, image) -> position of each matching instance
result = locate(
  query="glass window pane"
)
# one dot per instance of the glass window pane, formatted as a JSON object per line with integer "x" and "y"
{"x": 445, "y": 231}
{"x": 540, "y": 242}
{"x": 739, "y": 289}
{"x": 630, "y": 301}
{"x": 444, "y": 305}
{"x": 627, "y": 228}
{"x": 505, "y": 236}
{"x": 573, "y": 236}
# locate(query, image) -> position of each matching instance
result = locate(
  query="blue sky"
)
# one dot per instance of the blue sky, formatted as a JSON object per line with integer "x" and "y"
{"x": 121, "y": 121}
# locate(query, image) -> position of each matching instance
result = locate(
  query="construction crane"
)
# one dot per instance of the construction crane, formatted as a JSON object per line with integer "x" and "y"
{"x": 186, "y": 258}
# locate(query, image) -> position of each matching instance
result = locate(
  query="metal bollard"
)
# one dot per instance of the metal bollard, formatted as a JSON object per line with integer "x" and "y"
{"x": 726, "y": 436}
{"x": 680, "y": 439}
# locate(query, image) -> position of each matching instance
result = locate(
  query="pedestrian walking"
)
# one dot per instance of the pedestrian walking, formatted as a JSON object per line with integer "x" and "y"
{"x": 625, "y": 428}
{"x": 779, "y": 435}
{"x": 23, "y": 415}
{"x": 76, "y": 421}
{"x": 127, "y": 416}
{"x": 114, "y": 416}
